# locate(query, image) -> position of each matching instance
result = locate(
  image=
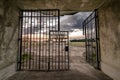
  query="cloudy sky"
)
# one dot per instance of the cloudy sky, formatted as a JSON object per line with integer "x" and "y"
{"x": 71, "y": 23}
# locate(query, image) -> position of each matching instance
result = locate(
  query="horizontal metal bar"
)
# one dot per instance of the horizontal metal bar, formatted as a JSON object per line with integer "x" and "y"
{"x": 33, "y": 10}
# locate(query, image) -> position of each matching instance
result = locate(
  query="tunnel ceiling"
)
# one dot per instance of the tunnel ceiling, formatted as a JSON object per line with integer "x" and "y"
{"x": 66, "y": 6}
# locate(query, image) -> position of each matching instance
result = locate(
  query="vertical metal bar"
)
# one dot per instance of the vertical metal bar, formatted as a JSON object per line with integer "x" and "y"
{"x": 49, "y": 51}
{"x": 49, "y": 37}
{"x": 28, "y": 38}
{"x": 21, "y": 41}
{"x": 18, "y": 52}
{"x": 64, "y": 52}
{"x": 53, "y": 53}
{"x": 58, "y": 51}
{"x": 99, "y": 55}
{"x": 20, "y": 30}
{"x": 46, "y": 18}
{"x": 37, "y": 40}
{"x": 30, "y": 41}
{"x": 97, "y": 38}
{"x": 32, "y": 64}
{"x": 41, "y": 18}
{"x": 40, "y": 42}
{"x": 23, "y": 47}
{"x": 66, "y": 60}
{"x": 88, "y": 42}
{"x": 87, "y": 57}
{"x": 34, "y": 42}
{"x": 49, "y": 64}
{"x": 56, "y": 43}
{"x": 91, "y": 41}
{"x": 68, "y": 51}
{"x": 45, "y": 46}
{"x": 61, "y": 51}
{"x": 58, "y": 20}
{"x": 42, "y": 46}
{"x": 56, "y": 48}
{"x": 83, "y": 27}
{"x": 25, "y": 39}
{"x": 22, "y": 50}
{"x": 85, "y": 38}
{"x": 44, "y": 42}
{"x": 58, "y": 40}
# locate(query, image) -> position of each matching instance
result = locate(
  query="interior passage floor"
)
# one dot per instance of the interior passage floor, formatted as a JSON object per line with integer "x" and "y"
{"x": 79, "y": 70}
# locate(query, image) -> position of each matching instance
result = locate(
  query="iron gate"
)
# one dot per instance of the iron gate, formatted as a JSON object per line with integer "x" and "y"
{"x": 37, "y": 49}
{"x": 91, "y": 31}
{"x": 59, "y": 50}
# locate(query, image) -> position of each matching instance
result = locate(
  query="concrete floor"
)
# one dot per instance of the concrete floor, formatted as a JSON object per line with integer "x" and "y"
{"x": 79, "y": 70}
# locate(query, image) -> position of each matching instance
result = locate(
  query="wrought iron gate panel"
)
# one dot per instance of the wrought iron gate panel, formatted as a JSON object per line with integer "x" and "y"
{"x": 91, "y": 31}
{"x": 34, "y": 39}
{"x": 59, "y": 50}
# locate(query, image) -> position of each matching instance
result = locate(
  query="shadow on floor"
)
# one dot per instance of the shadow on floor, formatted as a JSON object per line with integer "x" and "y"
{"x": 62, "y": 75}
{"x": 79, "y": 70}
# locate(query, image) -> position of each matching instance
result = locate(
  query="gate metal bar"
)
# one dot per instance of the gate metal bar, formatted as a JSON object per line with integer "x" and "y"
{"x": 59, "y": 50}
{"x": 34, "y": 41}
{"x": 91, "y": 32}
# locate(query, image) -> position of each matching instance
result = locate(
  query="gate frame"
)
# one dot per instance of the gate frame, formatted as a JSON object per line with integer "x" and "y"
{"x": 68, "y": 64}
{"x": 97, "y": 39}
{"x": 20, "y": 36}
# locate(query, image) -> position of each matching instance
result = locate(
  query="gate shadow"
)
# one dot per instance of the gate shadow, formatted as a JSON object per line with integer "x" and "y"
{"x": 60, "y": 75}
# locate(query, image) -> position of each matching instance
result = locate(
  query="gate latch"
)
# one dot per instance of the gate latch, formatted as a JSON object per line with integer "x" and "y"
{"x": 66, "y": 48}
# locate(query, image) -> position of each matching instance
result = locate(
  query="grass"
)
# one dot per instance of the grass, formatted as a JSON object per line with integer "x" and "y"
{"x": 26, "y": 57}
{"x": 77, "y": 44}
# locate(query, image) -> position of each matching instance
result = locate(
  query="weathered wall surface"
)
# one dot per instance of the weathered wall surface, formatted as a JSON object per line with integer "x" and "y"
{"x": 8, "y": 32}
{"x": 8, "y": 35}
{"x": 1, "y": 21}
{"x": 110, "y": 38}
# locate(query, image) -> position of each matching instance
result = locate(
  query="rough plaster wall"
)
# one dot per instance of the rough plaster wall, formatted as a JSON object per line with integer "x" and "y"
{"x": 66, "y": 6}
{"x": 8, "y": 33}
{"x": 110, "y": 38}
{"x": 1, "y": 21}
{"x": 61, "y": 4}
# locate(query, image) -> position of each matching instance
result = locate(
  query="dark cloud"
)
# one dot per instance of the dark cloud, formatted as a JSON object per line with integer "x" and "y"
{"x": 73, "y": 21}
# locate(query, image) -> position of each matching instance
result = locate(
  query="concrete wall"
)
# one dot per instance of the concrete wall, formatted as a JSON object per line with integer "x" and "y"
{"x": 8, "y": 36}
{"x": 1, "y": 22}
{"x": 110, "y": 38}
